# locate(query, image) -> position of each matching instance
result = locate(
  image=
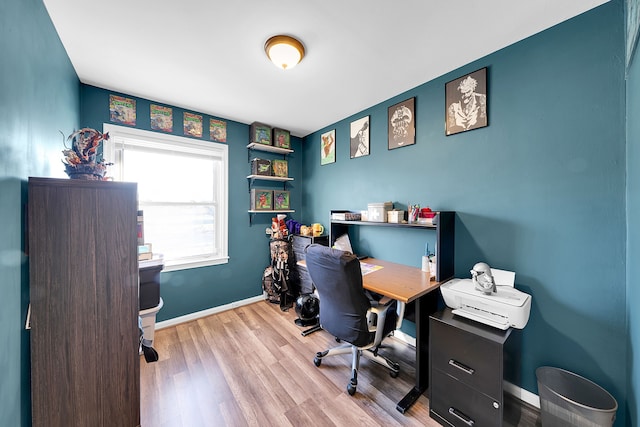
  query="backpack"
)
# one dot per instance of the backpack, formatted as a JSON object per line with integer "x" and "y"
{"x": 278, "y": 277}
{"x": 270, "y": 286}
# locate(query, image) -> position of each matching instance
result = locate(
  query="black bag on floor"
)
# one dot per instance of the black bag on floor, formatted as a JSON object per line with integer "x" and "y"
{"x": 270, "y": 286}
{"x": 278, "y": 281}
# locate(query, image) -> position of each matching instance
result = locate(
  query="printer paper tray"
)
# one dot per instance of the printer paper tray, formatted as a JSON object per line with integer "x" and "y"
{"x": 494, "y": 320}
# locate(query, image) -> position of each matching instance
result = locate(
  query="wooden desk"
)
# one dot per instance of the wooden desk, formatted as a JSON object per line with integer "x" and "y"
{"x": 407, "y": 284}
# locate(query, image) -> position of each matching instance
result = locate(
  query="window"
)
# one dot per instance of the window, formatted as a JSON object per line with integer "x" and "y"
{"x": 182, "y": 191}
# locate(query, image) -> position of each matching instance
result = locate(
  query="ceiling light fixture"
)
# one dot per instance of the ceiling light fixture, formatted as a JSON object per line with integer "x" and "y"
{"x": 284, "y": 51}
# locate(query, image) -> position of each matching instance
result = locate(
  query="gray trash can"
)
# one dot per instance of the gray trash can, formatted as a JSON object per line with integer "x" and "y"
{"x": 567, "y": 399}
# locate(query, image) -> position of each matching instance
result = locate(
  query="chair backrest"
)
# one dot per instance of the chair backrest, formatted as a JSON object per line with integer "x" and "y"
{"x": 343, "y": 303}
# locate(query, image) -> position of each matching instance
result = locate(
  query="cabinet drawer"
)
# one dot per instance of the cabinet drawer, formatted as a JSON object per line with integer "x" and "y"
{"x": 468, "y": 357}
{"x": 461, "y": 405}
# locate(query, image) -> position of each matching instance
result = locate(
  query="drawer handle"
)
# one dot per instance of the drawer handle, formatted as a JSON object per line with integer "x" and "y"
{"x": 462, "y": 367}
{"x": 462, "y": 417}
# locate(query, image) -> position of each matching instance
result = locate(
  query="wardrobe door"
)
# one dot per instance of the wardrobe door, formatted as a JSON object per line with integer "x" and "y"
{"x": 84, "y": 303}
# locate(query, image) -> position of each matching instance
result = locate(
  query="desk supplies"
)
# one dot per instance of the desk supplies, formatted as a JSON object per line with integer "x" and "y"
{"x": 413, "y": 213}
{"x": 507, "y": 307}
{"x": 377, "y": 212}
{"x": 395, "y": 216}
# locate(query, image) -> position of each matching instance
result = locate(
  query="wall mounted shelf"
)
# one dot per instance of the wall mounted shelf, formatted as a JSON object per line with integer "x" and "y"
{"x": 251, "y": 178}
{"x": 253, "y": 212}
{"x": 445, "y": 237}
{"x": 267, "y": 148}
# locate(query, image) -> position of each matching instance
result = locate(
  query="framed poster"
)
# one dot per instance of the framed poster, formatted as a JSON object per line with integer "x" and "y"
{"x": 192, "y": 125}
{"x": 218, "y": 130}
{"x": 122, "y": 110}
{"x": 466, "y": 103}
{"x": 360, "y": 138}
{"x": 402, "y": 124}
{"x": 633, "y": 24}
{"x": 328, "y": 147}
{"x": 161, "y": 118}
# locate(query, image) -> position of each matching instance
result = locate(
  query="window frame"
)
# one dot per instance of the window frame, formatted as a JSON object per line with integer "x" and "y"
{"x": 145, "y": 138}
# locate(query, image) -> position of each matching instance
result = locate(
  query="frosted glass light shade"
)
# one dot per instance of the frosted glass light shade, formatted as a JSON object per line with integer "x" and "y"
{"x": 284, "y": 51}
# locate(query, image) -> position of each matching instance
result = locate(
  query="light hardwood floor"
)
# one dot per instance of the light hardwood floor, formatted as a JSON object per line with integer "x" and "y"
{"x": 250, "y": 366}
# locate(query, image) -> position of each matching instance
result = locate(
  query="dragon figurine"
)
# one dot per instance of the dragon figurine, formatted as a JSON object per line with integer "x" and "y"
{"x": 80, "y": 159}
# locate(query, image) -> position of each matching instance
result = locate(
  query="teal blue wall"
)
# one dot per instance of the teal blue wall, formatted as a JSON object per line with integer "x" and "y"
{"x": 39, "y": 97}
{"x": 540, "y": 191}
{"x": 633, "y": 238}
{"x": 188, "y": 291}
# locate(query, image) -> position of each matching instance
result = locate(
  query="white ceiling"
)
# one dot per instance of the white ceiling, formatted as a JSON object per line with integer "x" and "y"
{"x": 208, "y": 56}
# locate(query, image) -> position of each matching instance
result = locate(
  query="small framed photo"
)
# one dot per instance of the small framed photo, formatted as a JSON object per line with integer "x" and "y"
{"x": 281, "y": 138}
{"x": 260, "y": 134}
{"x": 402, "y": 124}
{"x": 261, "y": 200}
{"x": 280, "y": 168}
{"x": 466, "y": 102}
{"x": 360, "y": 138}
{"x": 328, "y": 147}
{"x": 281, "y": 200}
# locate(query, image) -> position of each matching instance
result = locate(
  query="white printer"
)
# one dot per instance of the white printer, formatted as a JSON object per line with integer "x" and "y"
{"x": 488, "y": 297}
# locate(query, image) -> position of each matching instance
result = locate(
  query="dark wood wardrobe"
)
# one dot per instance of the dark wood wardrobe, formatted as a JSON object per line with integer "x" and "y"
{"x": 83, "y": 269}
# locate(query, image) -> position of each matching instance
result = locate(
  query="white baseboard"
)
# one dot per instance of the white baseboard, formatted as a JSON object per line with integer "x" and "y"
{"x": 207, "y": 312}
{"x": 404, "y": 337}
{"x": 520, "y": 393}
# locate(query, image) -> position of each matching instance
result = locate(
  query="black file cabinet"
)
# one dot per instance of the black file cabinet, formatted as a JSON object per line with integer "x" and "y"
{"x": 466, "y": 371}
{"x": 299, "y": 243}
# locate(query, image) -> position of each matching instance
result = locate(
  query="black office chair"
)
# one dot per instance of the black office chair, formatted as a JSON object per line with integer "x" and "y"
{"x": 347, "y": 312}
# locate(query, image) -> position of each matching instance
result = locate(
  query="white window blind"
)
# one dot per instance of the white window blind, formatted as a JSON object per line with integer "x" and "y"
{"x": 182, "y": 191}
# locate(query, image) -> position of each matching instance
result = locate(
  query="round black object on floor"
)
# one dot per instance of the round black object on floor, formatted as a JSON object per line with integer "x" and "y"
{"x": 307, "y": 309}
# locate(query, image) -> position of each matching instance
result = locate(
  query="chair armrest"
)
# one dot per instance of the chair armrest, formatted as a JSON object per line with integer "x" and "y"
{"x": 400, "y": 314}
{"x": 384, "y": 301}
{"x": 380, "y": 311}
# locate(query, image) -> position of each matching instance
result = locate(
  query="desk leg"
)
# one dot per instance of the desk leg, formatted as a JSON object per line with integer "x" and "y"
{"x": 425, "y": 306}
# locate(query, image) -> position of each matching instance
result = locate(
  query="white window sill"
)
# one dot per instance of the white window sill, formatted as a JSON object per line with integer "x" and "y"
{"x": 185, "y": 265}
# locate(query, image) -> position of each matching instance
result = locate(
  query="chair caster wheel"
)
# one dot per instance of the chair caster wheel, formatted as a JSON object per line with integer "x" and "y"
{"x": 351, "y": 389}
{"x": 317, "y": 361}
{"x": 394, "y": 374}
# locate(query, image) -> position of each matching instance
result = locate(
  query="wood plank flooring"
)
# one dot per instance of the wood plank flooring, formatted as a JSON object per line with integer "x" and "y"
{"x": 250, "y": 366}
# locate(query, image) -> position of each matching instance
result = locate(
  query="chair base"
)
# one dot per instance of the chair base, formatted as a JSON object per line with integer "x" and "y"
{"x": 356, "y": 352}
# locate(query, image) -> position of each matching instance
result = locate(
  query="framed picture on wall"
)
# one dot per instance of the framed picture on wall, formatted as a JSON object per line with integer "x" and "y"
{"x": 218, "y": 130}
{"x": 360, "y": 138}
{"x": 328, "y": 147}
{"x": 192, "y": 125}
{"x": 122, "y": 110}
{"x": 466, "y": 103}
{"x": 402, "y": 124}
{"x": 161, "y": 118}
{"x": 633, "y": 25}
